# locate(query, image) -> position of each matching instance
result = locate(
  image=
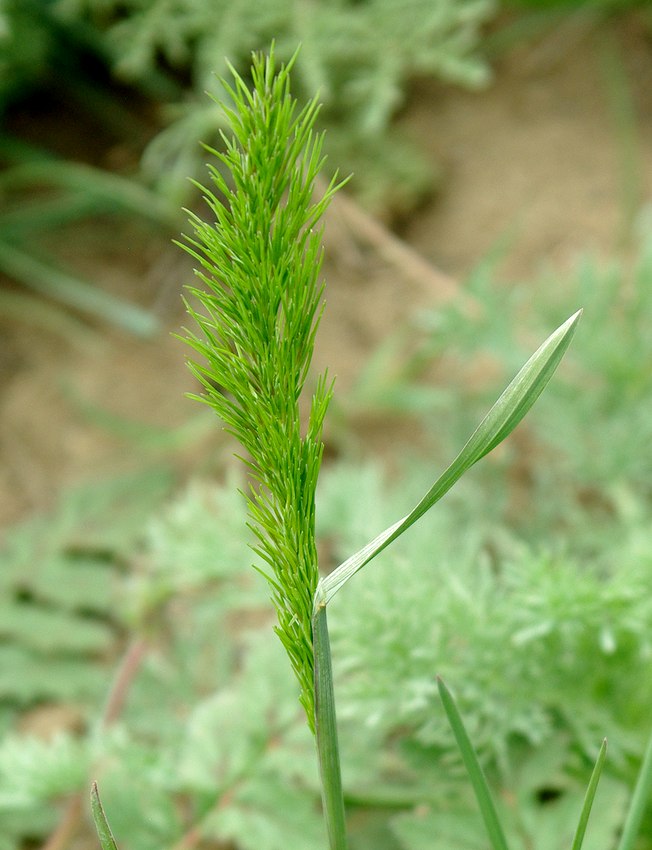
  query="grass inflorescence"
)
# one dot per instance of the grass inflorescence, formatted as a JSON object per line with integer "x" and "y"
{"x": 257, "y": 317}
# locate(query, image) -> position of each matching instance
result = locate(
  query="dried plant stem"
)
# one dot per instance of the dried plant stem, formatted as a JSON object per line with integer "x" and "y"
{"x": 123, "y": 679}
{"x": 396, "y": 253}
{"x": 67, "y": 825}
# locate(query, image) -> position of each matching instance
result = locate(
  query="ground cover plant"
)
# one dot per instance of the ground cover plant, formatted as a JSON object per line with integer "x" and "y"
{"x": 203, "y": 726}
{"x": 59, "y": 580}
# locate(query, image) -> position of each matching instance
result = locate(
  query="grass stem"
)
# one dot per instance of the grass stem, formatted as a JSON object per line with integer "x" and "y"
{"x": 639, "y": 803}
{"x": 326, "y": 732}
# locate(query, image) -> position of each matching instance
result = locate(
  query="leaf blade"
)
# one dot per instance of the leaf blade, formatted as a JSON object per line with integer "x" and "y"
{"x": 476, "y": 774}
{"x": 107, "y": 841}
{"x": 639, "y": 801}
{"x": 589, "y": 797}
{"x": 506, "y": 413}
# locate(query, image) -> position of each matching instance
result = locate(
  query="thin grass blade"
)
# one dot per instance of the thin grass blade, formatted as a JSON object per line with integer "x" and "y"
{"x": 510, "y": 408}
{"x": 476, "y": 775}
{"x": 107, "y": 841}
{"x": 125, "y": 194}
{"x": 640, "y": 801}
{"x": 589, "y": 797}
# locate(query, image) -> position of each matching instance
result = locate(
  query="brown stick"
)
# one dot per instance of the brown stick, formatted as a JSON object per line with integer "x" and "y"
{"x": 125, "y": 675}
{"x": 402, "y": 257}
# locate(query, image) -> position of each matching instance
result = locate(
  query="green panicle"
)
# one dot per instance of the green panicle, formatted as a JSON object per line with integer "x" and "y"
{"x": 257, "y": 313}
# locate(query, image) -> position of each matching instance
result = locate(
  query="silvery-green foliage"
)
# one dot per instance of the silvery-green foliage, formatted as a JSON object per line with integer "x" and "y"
{"x": 201, "y": 723}
{"x": 257, "y": 772}
{"x": 195, "y": 542}
{"x": 34, "y": 769}
{"x": 209, "y": 729}
{"x": 241, "y": 754}
{"x": 527, "y": 638}
{"x": 59, "y": 575}
{"x": 133, "y": 771}
{"x": 358, "y": 52}
{"x": 33, "y": 772}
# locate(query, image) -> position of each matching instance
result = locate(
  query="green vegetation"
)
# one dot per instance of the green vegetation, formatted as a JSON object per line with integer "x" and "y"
{"x": 64, "y": 192}
{"x": 359, "y": 57}
{"x": 257, "y": 324}
{"x": 527, "y": 591}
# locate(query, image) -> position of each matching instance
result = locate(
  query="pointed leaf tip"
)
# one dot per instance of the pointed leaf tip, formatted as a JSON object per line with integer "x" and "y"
{"x": 510, "y": 408}
{"x": 478, "y": 782}
{"x": 107, "y": 841}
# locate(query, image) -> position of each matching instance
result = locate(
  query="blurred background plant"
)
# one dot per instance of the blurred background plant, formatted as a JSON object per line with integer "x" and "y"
{"x": 139, "y": 71}
{"x": 359, "y": 57}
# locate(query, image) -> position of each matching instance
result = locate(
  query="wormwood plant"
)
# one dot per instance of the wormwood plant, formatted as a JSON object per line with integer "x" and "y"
{"x": 58, "y": 577}
{"x": 257, "y": 315}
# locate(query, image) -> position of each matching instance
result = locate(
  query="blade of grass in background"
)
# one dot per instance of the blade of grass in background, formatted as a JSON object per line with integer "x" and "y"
{"x": 639, "y": 803}
{"x": 589, "y": 797}
{"x": 81, "y": 191}
{"x": 476, "y": 775}
{"x": 126, "y": 194}
{"x": 75, "y": 292}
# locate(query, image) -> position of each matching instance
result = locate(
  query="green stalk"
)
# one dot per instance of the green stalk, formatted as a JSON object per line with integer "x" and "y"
{"x": 257, "y": 314}
{"x": 640, "y": 801}
{"x": 589, "y": 797}
{"x": 326, "y": 733}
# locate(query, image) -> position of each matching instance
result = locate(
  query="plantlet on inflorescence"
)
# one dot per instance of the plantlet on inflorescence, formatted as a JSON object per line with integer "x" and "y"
{"x": 257, "y": 316}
